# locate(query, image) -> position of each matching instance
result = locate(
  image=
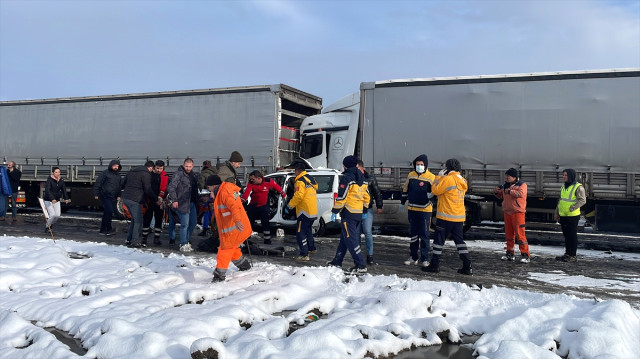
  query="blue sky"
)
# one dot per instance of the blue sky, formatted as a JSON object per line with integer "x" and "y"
{"x": 79, "y": 48}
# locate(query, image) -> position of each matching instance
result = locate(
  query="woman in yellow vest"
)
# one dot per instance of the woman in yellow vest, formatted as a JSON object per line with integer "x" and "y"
{"x": 572, "y": 197}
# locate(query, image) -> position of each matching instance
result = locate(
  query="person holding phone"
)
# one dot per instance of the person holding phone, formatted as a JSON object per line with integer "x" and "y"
{"x": 514, "y": 195}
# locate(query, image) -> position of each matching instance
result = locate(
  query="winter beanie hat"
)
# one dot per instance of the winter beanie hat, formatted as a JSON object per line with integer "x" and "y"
{"x": 512, "y": 172}
{"x": 213, "y": 180}
{"x": 453, "y": 165}
{"x": 235, "y": 157}
{"x": 350, "y": 161}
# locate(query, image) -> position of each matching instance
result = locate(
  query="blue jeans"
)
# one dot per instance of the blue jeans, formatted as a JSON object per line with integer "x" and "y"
{"x": 304, "y": 235}
{"x": 367, "y": 225}
{"x": 3, "y": 205}
{"x": 135, "y": 227}
{"x": 350, "y": 240}
{"x": 171, "y": 230}
{"x": 419, "y": 223}
{"x": 188, "y": 223}
{"x": 206, "y": 219}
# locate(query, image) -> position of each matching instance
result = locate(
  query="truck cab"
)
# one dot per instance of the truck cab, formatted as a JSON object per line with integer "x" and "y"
{"x": 325, "y": 139}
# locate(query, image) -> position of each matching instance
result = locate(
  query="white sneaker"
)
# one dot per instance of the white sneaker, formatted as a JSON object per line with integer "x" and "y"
{"x": 424, "y": 264}
{"x": 410, "y": 261}
{"x": 186, "y": 248}
{"x": 525, "y": 259}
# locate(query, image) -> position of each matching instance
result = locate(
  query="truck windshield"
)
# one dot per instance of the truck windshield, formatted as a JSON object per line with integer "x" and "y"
{"x": 311, "y": 146}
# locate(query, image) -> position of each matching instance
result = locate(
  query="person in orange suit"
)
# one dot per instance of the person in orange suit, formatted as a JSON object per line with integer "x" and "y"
{"x": 233, "y": 226}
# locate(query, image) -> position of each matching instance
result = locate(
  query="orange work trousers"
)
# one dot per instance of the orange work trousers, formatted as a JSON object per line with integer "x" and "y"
{"x": 225, "y": 256}
{"x": 514, "y": 232}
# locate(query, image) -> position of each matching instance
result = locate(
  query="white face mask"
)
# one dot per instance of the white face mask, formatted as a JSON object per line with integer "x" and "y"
{"x": 420, "y": 168}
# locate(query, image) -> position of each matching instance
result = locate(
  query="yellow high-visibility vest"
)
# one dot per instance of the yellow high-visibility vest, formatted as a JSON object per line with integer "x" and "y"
{"x": 567, "y": 199}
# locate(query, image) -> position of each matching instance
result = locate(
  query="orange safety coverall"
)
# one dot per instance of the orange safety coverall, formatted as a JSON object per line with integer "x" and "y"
{"x": 228, "y": 210}
{"x": 514, "y": 207}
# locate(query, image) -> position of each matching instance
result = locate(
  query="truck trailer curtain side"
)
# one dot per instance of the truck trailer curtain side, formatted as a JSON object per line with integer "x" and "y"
{"x": 81, "y": 135}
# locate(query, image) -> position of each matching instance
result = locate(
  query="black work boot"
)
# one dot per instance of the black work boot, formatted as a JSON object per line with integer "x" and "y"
{"x": 242, "y": 263}
{"x": 434, "y": 266}
{"x": 466, "y": 270}
{"x": 431, "y": 268}
{"x": 218, "y": 276}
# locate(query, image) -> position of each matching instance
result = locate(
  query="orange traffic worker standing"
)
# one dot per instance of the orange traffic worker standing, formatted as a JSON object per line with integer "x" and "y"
{"x": 514, "y": 195}
{"x": 233, "y": 226}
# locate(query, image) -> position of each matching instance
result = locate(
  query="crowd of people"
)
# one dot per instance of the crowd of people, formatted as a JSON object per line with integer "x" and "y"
{"x": 149, "y": 195}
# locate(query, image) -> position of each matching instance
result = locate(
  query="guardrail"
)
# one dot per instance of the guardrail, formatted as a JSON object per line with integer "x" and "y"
{"x": 87, "y": 170}
{"x": 598, "y": 185}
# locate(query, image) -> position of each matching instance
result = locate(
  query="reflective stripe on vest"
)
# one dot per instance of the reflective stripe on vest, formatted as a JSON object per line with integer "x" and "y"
{"x": 227, "y": 230}
{"x": 567, "y": 199}
{"x": 450, "y": 216}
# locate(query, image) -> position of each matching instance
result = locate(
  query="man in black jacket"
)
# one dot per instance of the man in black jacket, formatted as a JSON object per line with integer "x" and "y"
{"x": 367, "y": 223}
{"x": 137, "y": 185}
{"x": 159, "y": 181}
{"x": 14, "y": 175}
{"x": 107, "y": 189}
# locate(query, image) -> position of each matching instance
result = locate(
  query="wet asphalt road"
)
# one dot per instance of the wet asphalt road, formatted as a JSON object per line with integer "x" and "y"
{"x": 391, "y": 251}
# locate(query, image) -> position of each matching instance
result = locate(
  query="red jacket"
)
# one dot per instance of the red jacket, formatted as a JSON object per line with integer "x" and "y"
{"x": 164, "y": 180}
{"x": 260, "y": 192}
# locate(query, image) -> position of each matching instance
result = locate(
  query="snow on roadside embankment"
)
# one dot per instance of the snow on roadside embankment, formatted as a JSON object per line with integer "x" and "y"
{"x": 126, "y": 303}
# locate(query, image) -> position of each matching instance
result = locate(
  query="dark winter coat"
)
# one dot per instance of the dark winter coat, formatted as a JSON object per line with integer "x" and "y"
{"x": 227, "y": 173}
{"x": 137, "y": 185}
{"x": 417, "y": 188}
{"x": 374, "y": 190}
{"x": 353, "y": 195}
{"x": 109, "y": 183}
{"x": 183, "y": 188}
{"x": 55, "y": 190}
{"x": 204, "y": 174}
{"x": 14, "y": 179}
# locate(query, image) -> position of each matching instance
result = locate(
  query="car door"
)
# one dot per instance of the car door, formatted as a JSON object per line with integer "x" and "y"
{"x": 325, "y": 192}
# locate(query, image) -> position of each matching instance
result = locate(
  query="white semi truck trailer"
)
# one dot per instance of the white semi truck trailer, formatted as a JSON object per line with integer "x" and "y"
{"x": 538, "y": 123}
{"x": 82, "y": 134}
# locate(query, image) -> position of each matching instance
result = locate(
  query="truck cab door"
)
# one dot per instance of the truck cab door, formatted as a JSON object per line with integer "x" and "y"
{"x": 313, "y": 148}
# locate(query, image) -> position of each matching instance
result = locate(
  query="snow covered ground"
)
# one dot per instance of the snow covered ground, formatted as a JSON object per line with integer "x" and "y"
{"x": 126, "y": 303}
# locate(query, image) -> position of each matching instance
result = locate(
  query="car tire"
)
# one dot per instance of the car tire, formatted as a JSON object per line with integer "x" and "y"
{"x": 320, "y": 229}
